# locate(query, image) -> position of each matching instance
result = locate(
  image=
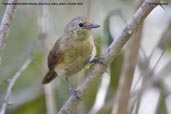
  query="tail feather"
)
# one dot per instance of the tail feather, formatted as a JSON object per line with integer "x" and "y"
{"x": 50, "y": 75}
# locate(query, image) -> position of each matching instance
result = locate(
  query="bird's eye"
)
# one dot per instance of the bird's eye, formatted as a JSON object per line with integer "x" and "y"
{"x": 81, "y": 24}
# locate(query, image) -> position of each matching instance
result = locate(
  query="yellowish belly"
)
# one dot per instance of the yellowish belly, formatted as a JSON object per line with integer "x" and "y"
{"x": 75, "y": 58}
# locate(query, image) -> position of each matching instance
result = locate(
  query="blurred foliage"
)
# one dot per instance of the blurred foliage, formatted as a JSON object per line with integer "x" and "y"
{"x": 165, "y": 41}
{"x": 116, "y": 65}
{"x": 161, "y": 108}
{"x": 28, "y": 108}
{"x": 23, "y": 41}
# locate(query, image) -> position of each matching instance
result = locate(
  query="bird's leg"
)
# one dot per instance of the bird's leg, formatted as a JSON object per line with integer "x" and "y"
{"x": 98, "y": 60}
{"x": 72, "y": 91}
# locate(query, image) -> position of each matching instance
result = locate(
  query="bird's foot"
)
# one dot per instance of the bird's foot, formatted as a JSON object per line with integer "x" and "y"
{"x": 98, "y": 60}
{"x": 74, "y": 93}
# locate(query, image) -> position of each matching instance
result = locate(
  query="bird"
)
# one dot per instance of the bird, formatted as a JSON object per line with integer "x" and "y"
{"x": 72, "y": 51}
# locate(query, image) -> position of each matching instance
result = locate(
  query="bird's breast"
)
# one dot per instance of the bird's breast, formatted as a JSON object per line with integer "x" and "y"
{"x": 76, "y": 56}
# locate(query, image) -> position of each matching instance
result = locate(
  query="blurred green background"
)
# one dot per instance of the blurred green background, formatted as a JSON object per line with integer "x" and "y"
{"x": 24, "y": 40}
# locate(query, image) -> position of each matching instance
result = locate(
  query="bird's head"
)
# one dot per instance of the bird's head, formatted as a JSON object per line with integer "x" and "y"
{"x": 80, "y": 25}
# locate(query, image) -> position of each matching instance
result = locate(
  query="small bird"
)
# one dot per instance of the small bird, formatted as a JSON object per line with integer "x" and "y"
{"x": 73, "y": 51}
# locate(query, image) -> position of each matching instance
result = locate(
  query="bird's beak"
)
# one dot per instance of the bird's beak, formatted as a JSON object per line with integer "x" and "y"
{"x": 90, "y": 26}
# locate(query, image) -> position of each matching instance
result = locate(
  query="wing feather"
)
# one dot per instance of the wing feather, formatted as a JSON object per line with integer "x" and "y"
{"x": 55, "y": 56}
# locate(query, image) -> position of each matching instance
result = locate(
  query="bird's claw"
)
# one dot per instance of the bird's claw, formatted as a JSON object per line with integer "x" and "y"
{"x": 98, "y": 60}
{"x": 74, "y": 93}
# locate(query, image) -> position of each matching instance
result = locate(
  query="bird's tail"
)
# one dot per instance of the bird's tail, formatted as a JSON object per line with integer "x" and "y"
{"x": 50, "y": 75}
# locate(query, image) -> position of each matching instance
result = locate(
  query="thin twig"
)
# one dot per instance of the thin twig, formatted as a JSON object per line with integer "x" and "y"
{"x": 155, "y": 78}
{"x": 158, "y": 60}
{"x": 131, "y": 54}
{"x": 5, "y": 25}
{"x": 87, "y": 7}
{"x": 12, "y": 83}
{"x": 130, "y": 28}
{"x": 43, "y": 35}
{"x": 147, "y": 74}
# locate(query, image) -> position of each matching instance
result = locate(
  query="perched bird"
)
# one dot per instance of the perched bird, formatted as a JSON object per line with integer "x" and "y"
{"x": 72, "y": 51}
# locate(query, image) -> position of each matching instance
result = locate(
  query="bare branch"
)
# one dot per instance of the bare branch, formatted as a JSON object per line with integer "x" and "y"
{"x": 5, "y": 25}
{"x": 109, "y": 55}
{"x": 12, "y": 83}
